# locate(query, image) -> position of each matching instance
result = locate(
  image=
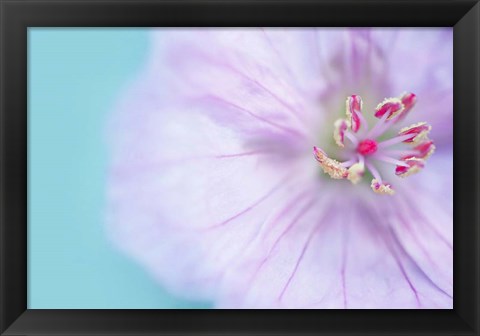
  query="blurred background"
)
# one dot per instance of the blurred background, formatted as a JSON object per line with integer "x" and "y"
{"x": 75, "y": 76}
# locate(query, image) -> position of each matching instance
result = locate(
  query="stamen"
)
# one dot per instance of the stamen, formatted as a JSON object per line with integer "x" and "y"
{"x": 394, "y": 141}
{"x": 379, "y": 127}
{"x": 414, "y": 166}
{"x": 356, "y": 172}
{"x": 367, "y": 148}
{"x": 354, "y": 109}
{"x": 361, "y": 160}
{"x": 408, "y": 100}
{"x": 417, "y": 132}
{"x": 389, "y": 160}
{"x": 390, "y": 106}
{"x": 363, "y": 122}
{"x": 352, "y": 138}
{"x": 340, "y": 127}
{"x": 374, "y": 171}
{"x": 330, "y": 166}
{"x": 404, "y": 154}
{"x": 348, "y": 163}
{"x": 425, "y": 149}
{"x": 382, "y": 188}
{"x": 377, "y": 184}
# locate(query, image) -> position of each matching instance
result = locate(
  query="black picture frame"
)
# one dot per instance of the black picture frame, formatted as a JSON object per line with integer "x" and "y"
{"x": 15, "y": 18}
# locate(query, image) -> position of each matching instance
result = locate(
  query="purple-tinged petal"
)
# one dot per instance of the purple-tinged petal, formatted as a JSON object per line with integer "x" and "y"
{"x": 183, "y": 187}
{"x": 319, "y": 256}
{"x": 253, "y": 71}
{"x": 428, "y": 71}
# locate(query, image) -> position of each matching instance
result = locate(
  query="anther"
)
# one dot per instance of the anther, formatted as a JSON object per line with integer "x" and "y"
{"x": 414, "y": 165}
{"x": 382, "y": 187}
{"x": 340, "y": 127}
{"x": 354, "y": 109}
{"x": 330, "y": 166}
{"x": 391, "y": 106}
{"x": 356, "y": 172}
{"x": 417, "y": 132}
{"x": 425, "y": 149}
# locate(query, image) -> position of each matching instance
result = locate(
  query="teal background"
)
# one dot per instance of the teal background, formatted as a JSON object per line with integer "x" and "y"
{"x": 74, "y": 79}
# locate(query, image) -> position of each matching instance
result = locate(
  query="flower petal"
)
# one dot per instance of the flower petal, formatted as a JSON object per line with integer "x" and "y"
{"x": 251, "y": 71}
{"x": 352, "y": 62}
{"x": 428, "y": 72}
{"x": 424, "y": 227}
{"x": 319, "y": 256}
{"x": 182, "y": 188}
{"x": 206, "y": 192}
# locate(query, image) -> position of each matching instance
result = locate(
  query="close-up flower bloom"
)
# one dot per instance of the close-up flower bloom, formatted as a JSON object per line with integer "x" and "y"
{"x": 290, "y": 168}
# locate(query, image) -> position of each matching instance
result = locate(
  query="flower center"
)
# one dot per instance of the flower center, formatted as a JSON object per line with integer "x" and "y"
{"x": 364, "y": 154}
{"x": 367, "y": 147}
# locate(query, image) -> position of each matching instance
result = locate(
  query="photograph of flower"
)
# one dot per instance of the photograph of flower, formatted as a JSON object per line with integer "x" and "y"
{"x": 290, "y": 168}
{"x": 241, "y": 168}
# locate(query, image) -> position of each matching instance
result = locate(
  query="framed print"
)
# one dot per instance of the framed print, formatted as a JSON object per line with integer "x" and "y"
{"x": 200, "y": 167}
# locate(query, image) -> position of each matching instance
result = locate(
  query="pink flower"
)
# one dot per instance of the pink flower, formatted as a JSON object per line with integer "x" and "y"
{"x": 214, "y": 188}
